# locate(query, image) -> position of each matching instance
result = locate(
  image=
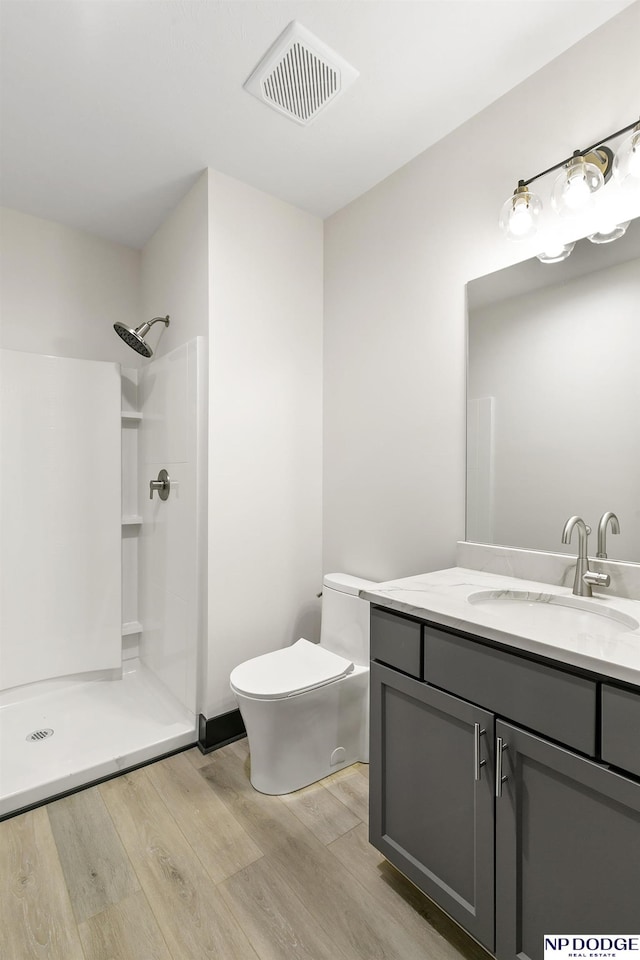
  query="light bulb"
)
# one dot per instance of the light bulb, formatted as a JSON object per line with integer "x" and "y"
{"x": 576, "y": 192}
{"x": 520, "y": 213}
{"x": 574, "y": 188}
{"x": 627, "y": 160}
{"x": 520, "y": 219}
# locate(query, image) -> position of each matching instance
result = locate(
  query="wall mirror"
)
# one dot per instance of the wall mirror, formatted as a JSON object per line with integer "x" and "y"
{"x": 553, "y": 399}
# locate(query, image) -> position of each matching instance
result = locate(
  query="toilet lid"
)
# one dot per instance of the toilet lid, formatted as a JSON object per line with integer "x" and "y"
{"x": 284, "y": 673}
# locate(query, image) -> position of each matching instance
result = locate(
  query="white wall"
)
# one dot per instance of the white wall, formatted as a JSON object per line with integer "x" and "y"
{"x": 63, "y": 289}
{"x": 264, "y": 428}
{"x": 396, "y": 264}
{"x": 175, "y": 273}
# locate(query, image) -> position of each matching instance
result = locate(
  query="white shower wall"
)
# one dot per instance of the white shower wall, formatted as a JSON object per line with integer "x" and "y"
{"x": 59, "y": 517}
{"x": 171, "y": 436}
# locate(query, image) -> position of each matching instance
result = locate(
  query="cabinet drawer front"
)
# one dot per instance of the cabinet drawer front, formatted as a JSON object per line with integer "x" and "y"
{"x": 556, "y": 704}
{"x": 397, "y": 642}
{"x": 621, "y": 728}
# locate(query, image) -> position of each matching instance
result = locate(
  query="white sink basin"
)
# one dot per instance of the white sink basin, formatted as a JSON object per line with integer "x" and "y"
{"x": 548, "y": 610}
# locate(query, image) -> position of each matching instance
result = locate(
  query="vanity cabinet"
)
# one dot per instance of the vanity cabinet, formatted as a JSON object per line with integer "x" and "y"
{"x": 490, "y": 792}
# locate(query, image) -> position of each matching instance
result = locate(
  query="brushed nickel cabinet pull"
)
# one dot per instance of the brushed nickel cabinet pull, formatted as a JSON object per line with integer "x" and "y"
{"x": 477, "y": 762}
{"x": 500, "y": 746}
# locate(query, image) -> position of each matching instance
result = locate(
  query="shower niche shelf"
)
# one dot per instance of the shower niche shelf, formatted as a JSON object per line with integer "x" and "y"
{"x": 131, "y": 513}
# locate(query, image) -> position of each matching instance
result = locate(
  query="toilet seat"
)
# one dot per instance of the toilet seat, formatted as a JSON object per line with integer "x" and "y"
{"x": 286, "y": 673}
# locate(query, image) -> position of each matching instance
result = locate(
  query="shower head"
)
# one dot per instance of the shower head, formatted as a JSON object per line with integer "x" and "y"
{"x": 135, "y": 338}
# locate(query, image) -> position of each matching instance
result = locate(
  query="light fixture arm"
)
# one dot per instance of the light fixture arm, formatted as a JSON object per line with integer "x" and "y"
{"x": 598, "y": 145}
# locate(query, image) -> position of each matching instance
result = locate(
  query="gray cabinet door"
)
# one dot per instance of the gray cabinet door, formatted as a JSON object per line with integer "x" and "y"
{"x": 567, "y": 847}
{"x": 430, "y": 816}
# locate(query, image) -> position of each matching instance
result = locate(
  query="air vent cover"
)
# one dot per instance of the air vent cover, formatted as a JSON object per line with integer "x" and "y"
{"x": 300, "y": 75}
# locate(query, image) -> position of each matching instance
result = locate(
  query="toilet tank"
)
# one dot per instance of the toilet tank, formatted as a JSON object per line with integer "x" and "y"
{"x": 345, "y": 617}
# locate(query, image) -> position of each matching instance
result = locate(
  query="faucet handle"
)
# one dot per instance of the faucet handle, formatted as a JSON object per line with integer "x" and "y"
{"x": 162, "y": 485}
{"x": 596, "y": 579}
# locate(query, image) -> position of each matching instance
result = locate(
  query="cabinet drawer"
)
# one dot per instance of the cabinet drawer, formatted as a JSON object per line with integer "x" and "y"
{"x": 397, "y": 642}
{"x": 621, "y": 728}
{"x": 551, "y": 702}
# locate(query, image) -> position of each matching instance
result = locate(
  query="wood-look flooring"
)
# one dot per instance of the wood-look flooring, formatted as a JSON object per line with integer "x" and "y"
{"x": 183, "y": 860}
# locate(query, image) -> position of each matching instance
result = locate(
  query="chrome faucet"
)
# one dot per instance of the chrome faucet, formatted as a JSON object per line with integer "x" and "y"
{"x": 584, "y": 577}
{"x": 605, "y": 519}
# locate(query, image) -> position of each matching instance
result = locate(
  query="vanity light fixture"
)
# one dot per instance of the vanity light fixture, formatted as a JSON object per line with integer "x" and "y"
{"x": 556, "y": 254}
{"x": 581, "y": 176}
{"x": 609, "y": 232}
{"x": 627, "y": 161}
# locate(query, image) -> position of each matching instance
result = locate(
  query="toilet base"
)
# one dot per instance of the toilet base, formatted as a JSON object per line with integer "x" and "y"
{"x": 298, "y": 740}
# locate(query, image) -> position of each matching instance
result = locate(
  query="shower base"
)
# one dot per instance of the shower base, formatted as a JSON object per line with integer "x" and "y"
{"x": 100, "y": 727}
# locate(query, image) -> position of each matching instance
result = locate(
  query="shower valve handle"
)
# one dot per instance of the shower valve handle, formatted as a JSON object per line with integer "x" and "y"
{"x": 162, "y": 485}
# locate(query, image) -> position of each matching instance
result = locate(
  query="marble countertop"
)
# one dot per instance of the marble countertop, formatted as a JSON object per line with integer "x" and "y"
{"x": 601, "y": 644}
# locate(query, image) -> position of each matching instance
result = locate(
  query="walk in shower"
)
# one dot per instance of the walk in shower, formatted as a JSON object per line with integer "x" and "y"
{"x": 100, "y": 586}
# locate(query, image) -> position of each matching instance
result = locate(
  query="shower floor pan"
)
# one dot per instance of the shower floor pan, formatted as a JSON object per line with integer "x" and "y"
{"x": 100, "y": 727}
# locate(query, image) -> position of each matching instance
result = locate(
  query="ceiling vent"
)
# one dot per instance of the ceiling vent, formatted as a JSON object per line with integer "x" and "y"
{"x": 300, "y": 75}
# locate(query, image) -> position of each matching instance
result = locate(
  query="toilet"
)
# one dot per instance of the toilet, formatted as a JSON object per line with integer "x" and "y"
{"x": 306, "y": 707}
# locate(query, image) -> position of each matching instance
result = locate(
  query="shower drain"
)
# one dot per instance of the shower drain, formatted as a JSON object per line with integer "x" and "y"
{"x": 40, "y": 734}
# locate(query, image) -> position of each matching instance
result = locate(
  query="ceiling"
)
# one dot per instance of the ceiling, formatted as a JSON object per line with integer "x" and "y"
{"x": 111, "y": 108}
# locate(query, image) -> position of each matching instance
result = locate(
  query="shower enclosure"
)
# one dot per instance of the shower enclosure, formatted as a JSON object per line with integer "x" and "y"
{"x": 101, "y": 586}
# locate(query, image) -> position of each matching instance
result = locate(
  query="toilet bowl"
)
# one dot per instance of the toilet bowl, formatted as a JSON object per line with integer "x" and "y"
{"x": 306, "y": 707}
